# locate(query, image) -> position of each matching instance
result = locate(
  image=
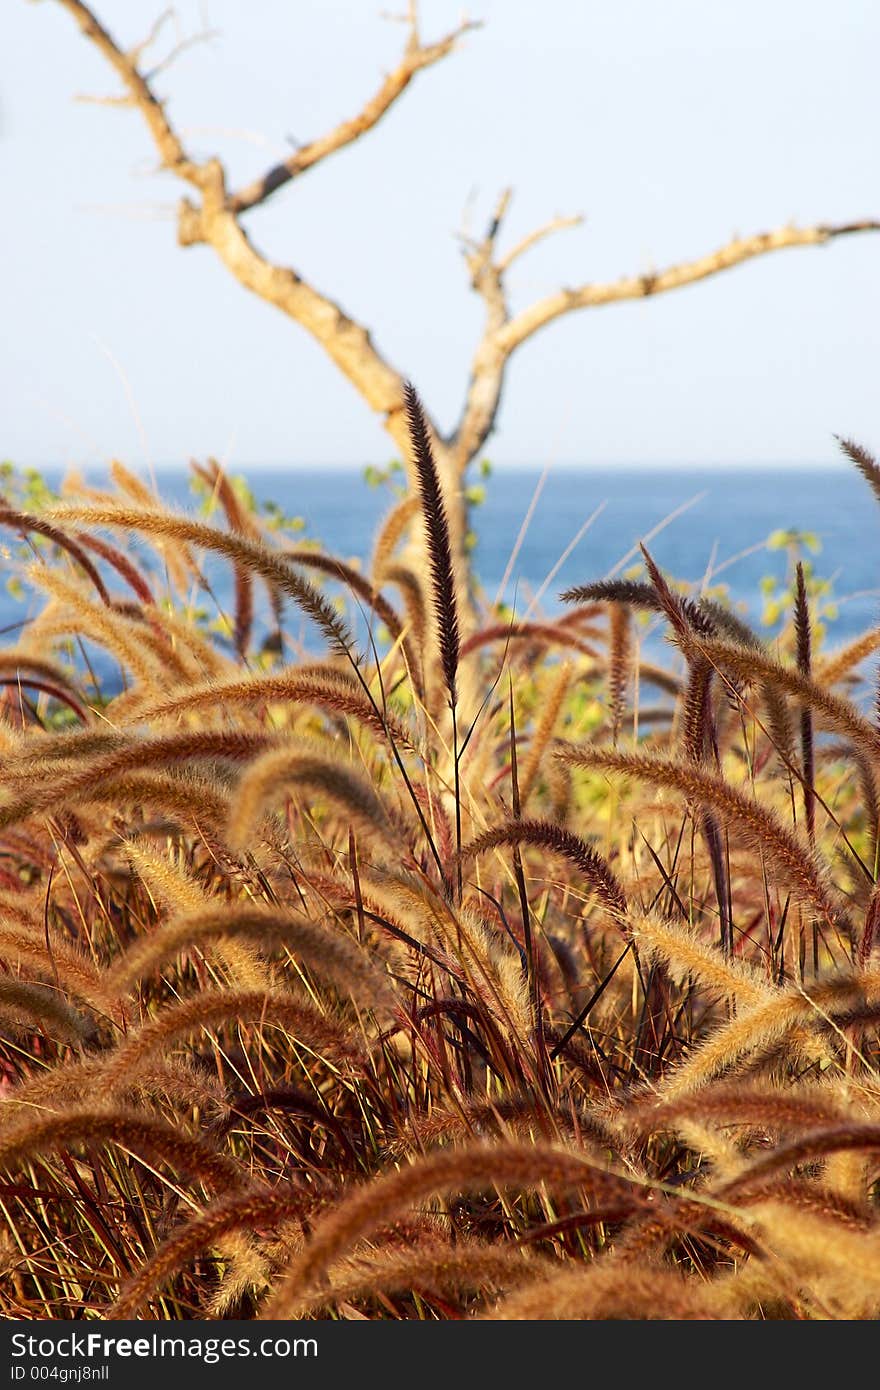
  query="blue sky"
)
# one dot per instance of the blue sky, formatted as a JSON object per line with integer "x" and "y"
{"x": 671, "y": 127}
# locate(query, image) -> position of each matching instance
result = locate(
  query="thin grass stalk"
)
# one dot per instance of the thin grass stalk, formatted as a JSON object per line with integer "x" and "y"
{"x": 533, "y": 981}
{"x": 442, "y": 578}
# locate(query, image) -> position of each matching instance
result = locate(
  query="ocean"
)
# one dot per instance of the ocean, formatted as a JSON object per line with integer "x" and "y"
{"x": 717, "y": 528}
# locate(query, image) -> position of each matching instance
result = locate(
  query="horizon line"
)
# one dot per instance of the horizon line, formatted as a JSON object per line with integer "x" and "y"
{"x": 510, "y": 465}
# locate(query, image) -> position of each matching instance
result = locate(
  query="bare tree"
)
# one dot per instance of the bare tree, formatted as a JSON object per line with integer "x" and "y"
{"x": 214, "y": 215}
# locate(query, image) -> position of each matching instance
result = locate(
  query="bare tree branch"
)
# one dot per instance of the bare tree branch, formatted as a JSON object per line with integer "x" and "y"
{"x": 486, "y": 381}
{"x": 737, "y": 251}
{"x": 504, "y": 334}
{"x": 347, "y": 343}
{"x": 129, "y": 99}
{"x": 172, "y": 154}
{"x": 556, "y": 224}
{"x": 415, "y": 57}
{"x": 203, "y": 36}
{"x": 136, "y": 52}
{"x": 485, "y": 274}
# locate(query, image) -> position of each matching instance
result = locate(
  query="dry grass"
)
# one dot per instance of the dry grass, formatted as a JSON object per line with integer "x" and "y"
{"x": 375, "y": 979}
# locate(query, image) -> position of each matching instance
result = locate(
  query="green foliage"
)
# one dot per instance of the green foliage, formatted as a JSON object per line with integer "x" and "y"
{"x": 779, "y": 595}
{"x": 25, "y": 488}
{"x": 391, "y": 477}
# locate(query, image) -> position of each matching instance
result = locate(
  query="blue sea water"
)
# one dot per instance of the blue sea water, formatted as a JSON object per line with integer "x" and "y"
{"x": 719, "y": 534}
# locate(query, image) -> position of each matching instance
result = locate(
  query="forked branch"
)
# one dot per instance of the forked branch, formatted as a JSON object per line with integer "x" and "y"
{"x": 504, "y": 332}
{"x": 138, "y": 91}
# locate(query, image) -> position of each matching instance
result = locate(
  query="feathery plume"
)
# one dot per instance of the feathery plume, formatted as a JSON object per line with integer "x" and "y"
{"x": 283, "y": 768}
{"x": 348, "y": 575}
{"x": 432, "y": 1268}
{"x": 44, "y": 1008}
{"x": 608, "y": 1291}
{"x": 757, "y": 1029}
{"x": 807, "y": 1149}
{"x": 537, "y": 634}
{"x": 637, "y": 594}
{"x": 437, "y": 535}
{"x": 754, "y": 1105}
{"x": 836, "y": 713}
{"x": 239, "y": 522}
{"x": 103, "y": 624}
{"x": 680, "y": 948}
{"x": 804, "y": 662}
{"x": 323, "y": 686}
{"x": 189, "y": 798}
{"x": 547, "y": 835}
{"x": 871, "y": 929}
{"x": 269, "y": 564}
{"x": 328, "y": 953}
{"x": 619, "y": 641}
{"x": 24, "y": 522}
{"x": 133, "y": 756}
{"x": 390, "y": 534}
{"x": 864, "y": 462}
{"x": 122, "y": 565}
{"x": 544, "y": 731}
{"x": 837, "y": 665}
{"x": 236, "y": 1211}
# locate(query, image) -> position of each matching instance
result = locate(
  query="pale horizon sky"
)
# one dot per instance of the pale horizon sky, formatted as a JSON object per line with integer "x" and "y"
{"x": 671, "y": 127}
